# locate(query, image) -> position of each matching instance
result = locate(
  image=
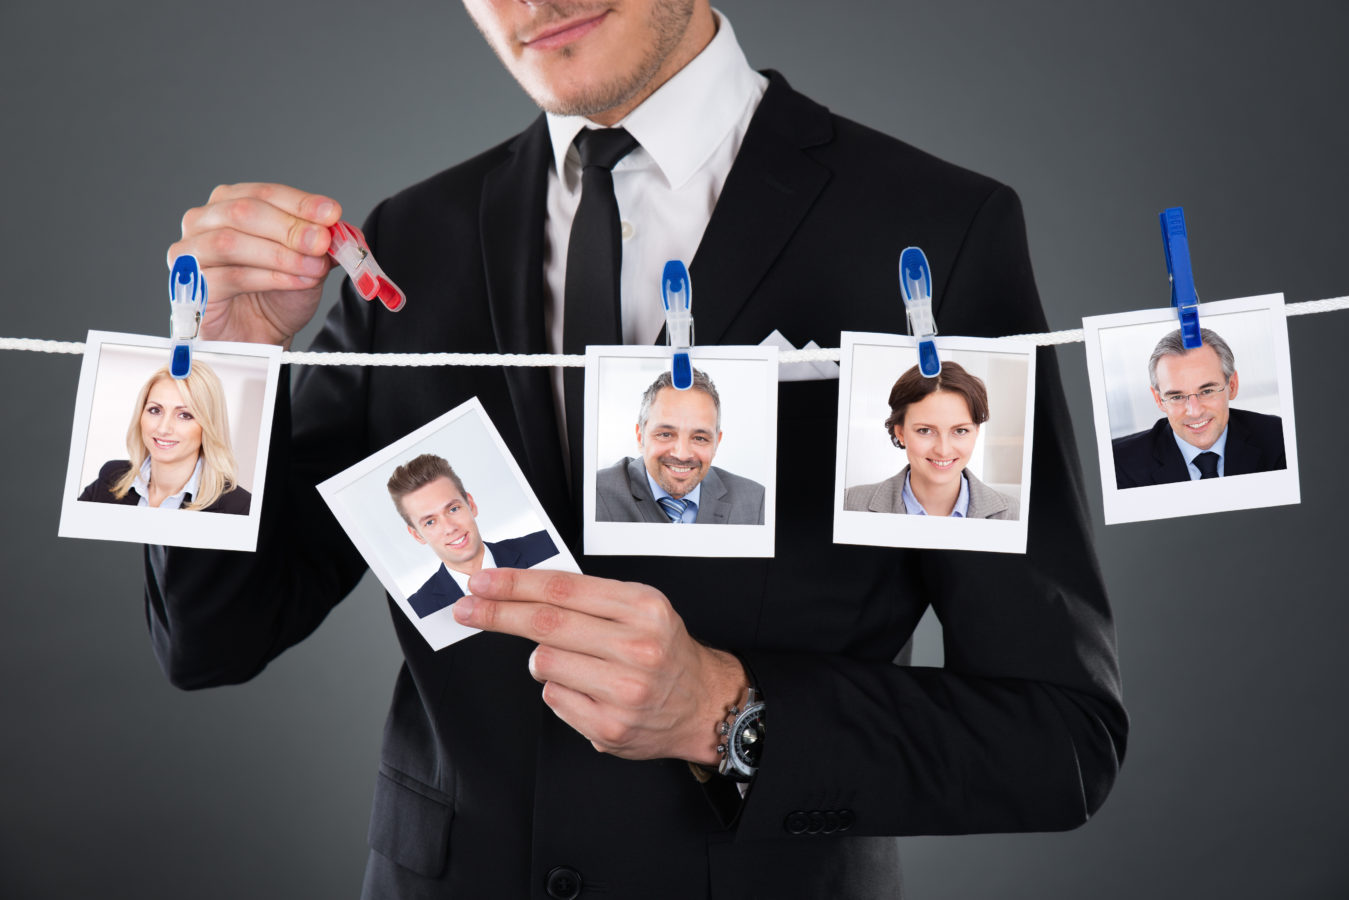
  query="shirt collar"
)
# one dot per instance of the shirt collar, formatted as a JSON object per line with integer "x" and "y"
{"x": 488, "y": 562}
{"x": 715, "y": 86}
{"x": 174, "y": 501}
{"x": 1190, "y": 451}
{"x": 657, "y": 491}
{"x": 960, "y": 511}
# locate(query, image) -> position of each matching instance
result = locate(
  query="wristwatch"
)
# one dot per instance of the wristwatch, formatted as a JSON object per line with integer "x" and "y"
{"x": 742, "y": 739}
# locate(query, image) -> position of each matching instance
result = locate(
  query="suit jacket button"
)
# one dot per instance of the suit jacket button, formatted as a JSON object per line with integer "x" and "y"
{"x": 564, "y": 883}
{"x": 816, "y": 822}
{"x": 796, "y": 822}
{"x": 845, "y": 819}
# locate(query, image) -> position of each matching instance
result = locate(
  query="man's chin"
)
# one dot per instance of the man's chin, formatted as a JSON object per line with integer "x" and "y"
{"x": 679, "y": 491}
{"x": 1203, "y": 441}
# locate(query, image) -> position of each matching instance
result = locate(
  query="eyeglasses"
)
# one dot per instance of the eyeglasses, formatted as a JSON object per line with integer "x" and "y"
{"x": 1178, "y": 401}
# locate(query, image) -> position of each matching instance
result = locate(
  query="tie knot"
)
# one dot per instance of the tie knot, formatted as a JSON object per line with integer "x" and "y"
{"x": 673, "y": 508}
{"x": 603, "y": 146}
{"x": 1207, "y": 464}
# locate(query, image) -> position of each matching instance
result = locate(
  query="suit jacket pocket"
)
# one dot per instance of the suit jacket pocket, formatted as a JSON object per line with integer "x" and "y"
{"x": 410, "y": 825}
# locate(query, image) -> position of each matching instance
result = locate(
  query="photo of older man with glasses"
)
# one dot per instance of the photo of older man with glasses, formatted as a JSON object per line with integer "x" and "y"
{"x": 1201, "y": 435}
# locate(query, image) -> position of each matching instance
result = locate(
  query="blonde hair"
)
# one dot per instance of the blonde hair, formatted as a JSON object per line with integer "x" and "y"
{"x": 204, "y": 395}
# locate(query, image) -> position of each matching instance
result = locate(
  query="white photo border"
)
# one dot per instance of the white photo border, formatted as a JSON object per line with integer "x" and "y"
{"x": 930, "y": 532}
{"x": 637, "y": 538}
{"x": 440, "y": 629}
{"x": 1192, "y": 498}
{"x": 166, "y": 527}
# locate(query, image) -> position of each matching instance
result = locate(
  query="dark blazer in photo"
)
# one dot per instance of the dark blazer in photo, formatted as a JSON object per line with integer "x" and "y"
{"x": 483, "y": 792}
{"x": 441, "y": 590}
{"x": 622, "y": 494}
{"x": 1254, "y": 444}
{"x": 235, "y": 501}
{"x": 888, "y": 497}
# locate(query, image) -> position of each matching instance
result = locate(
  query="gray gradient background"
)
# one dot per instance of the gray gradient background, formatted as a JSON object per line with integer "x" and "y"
{"x": 1100, "y": 114}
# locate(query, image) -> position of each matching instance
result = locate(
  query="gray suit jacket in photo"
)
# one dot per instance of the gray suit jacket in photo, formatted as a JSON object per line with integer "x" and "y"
{"x": 888, "y": 497}
{"x": 623, "y": 495}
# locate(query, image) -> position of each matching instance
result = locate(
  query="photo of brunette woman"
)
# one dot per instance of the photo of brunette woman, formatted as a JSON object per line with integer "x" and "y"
{"x": 935, "y": 421}
{"x": 178, "y": 448}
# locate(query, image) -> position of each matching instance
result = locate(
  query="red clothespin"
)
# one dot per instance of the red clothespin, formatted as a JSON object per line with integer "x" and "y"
{"x": 352, "y": 253}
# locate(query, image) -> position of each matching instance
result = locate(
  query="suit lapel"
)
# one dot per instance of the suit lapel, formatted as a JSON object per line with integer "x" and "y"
{"x": 768, "y": 192}
{"x": 1242, "y": 455}
{"x": 650, "y": 510}
{"x": 712, "y": 506}
{"x": 511, "y": 222}
{"x": 503, "y": 556}
{"x": 446, "y": 585}
{"x": 984, "y": 501}
{"x": 1170, "y": 464}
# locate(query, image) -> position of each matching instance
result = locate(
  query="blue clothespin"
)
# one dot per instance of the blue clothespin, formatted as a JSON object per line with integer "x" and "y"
{"x": 1176, "y": 243}
{"x": 187, "y": 303}
{"x": 915, "y": 282}
{"x": 676, "y": 294}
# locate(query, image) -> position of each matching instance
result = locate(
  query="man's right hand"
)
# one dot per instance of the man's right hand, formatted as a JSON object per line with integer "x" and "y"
{"x": 263, "y": 249}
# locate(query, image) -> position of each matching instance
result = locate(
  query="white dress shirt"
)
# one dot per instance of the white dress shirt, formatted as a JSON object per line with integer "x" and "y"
{"x": 690, "y": 131}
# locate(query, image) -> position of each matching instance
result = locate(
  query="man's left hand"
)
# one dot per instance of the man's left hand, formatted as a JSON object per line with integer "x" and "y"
{"x": 614, "y": 658}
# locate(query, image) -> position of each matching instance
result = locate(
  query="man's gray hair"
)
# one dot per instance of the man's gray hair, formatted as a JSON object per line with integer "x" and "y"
{"x": 700, "y": 383}
{"x": 1174, "y": 345}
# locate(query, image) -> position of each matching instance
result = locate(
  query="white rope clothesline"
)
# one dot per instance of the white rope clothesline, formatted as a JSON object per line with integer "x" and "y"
{"x": 310, "y": 358}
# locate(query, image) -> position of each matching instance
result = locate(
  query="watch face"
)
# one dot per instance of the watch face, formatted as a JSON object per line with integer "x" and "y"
{"x": 747, "y": 741}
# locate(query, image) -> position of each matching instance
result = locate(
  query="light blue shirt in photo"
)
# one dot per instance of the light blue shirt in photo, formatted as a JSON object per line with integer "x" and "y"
{"x": 691, "y": 498}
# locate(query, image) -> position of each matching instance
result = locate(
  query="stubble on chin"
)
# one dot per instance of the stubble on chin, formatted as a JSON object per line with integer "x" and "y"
{"x": 669, "y": 20}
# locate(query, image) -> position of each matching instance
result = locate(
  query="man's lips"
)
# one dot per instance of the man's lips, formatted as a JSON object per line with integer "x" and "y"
{"x": 561, "y": 35}
{"x": 1200, "y": 425}
{"x": 680, "y": 469}
{"x": 459, "y": 542}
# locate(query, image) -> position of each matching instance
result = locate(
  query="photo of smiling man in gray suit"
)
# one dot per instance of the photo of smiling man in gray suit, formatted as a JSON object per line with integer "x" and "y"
{"x": 674, "y": 481}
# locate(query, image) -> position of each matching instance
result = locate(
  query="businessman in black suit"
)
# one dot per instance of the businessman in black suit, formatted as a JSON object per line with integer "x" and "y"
{"x": 441, "y": 515}
{"x": 1201, "y": 436}
{"x": 498, "y": 789}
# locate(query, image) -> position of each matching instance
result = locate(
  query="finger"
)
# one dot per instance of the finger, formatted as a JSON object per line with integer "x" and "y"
{"x": 541, "y": 623}
{"x": 227, "y": 248}
{"x": 315, "y": 208}
{"x": 606, "y": 681}
{"x": 608, "y": 729}
{"x": 252, "y": 216}
{"x": 599, "y": 597}
{"x": 582, "y": 713}
{"x": 230, "y": 281}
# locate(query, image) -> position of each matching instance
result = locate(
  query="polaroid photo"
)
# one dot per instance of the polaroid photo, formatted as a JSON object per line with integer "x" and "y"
{"x": 157, "y": 460}
{"x": 1185, "y": 432}
{"x": 433, "y": 507}
{"x": 936, "y": 463}
{"x": 657, "y": 456}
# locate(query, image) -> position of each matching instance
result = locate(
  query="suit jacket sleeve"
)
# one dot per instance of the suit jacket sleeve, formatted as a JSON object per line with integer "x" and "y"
{"x": 1023, "y": 729}
{"x": 218, "y": 617}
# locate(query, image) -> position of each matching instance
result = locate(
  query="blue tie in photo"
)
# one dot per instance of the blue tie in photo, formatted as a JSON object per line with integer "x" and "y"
{"x": 674, "y": 508}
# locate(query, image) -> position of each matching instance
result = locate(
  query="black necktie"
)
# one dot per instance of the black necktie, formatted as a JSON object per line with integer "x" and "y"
{"x": 1207, "y": 464}
{"x": 591, "y": 311}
